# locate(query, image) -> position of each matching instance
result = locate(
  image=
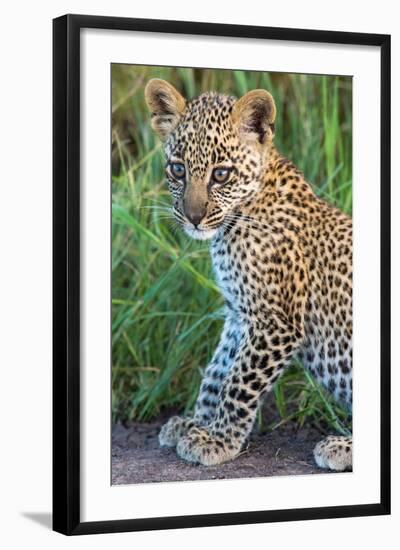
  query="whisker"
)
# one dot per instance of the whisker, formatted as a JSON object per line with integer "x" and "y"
{"x": 160, "y": 208}
{"x": 242, "y": 217}
{"x": 244, "y": 225}
{"x": 255, "y": 222}
{"x": 162, "y": 218}
{"x": 251, "y": 229}
{"x": 158, "y": 201}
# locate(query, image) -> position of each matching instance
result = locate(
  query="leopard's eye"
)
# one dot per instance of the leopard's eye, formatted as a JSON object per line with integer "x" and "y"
{"x": 221, "y": 175}
{"x": 178, "y": 170}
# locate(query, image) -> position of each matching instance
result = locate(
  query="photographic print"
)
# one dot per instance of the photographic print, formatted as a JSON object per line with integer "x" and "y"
{"x": 231, "y": 274}
{"x": 221, "y": 260}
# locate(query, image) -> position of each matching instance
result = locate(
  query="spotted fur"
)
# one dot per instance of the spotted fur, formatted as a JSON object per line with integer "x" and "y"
{"x": 282, "y": 259}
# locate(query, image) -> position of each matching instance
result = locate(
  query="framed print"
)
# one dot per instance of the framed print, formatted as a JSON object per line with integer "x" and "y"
{"x": 221, "y": 261}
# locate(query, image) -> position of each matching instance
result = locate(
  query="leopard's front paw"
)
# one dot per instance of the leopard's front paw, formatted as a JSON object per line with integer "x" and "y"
{"x": 334, "y": 453}
{"x": 173, "y": 430}
{"x": 200, "y": 447}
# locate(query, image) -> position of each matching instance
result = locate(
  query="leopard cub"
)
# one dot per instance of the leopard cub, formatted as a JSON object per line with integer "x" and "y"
{"x": 282, "y": 259}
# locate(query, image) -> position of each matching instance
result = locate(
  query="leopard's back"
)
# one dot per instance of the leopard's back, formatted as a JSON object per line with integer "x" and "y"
{"x": 328, "y": 347}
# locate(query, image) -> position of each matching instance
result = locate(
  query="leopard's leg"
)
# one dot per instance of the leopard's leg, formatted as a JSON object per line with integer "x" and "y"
{"x": 214, "y": 375}
{"x": 335, "y": 452}
{"x": 265, "y": 351}
{"x": 217, "y": 370}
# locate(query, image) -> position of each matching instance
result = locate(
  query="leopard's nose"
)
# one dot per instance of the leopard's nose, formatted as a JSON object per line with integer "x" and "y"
{"x": 195, "y": 202}
{"x": 195, "y": 216}
{"x": 194, "y": 212}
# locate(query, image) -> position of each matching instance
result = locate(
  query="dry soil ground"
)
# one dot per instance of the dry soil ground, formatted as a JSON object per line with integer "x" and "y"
{"x": 137, "y": 457}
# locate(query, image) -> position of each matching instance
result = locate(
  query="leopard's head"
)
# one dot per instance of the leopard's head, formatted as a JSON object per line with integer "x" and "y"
{"x": 216, "y": 148}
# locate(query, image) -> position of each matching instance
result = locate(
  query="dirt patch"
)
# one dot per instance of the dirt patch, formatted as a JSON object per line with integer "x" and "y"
{"x": 138, "y": 458}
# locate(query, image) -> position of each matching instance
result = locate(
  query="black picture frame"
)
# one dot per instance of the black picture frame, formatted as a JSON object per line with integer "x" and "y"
{"x": 66, "y": 273}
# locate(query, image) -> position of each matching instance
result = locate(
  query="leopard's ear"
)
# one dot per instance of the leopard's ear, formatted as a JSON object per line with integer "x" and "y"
{"x": 254, "y": 116}
{"x": 165, "y": 104}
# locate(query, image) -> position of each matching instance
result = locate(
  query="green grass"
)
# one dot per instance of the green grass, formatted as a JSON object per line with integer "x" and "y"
{"x": 166, "y": 307}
